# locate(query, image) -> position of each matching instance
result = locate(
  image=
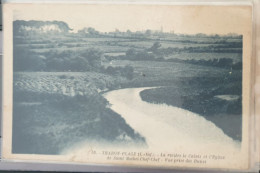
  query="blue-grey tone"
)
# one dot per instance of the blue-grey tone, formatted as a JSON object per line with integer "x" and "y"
{"x": 61, "y": 82}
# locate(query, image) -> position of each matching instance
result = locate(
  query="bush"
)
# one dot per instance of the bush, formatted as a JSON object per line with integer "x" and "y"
{"x": 127, "y": 71}
{"x": 28, "y": 61}
{"x": 87, "y": 60}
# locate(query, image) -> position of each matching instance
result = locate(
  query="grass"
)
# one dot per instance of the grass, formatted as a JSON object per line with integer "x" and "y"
{"x": 64, "y": 82}
{"x": 54, "y": 110}
{"x": 48, "y": 123}
{"x": 155, "y": 73}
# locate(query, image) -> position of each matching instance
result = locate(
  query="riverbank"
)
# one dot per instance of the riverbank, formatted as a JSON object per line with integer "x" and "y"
{"x": 166, "y": 126}
{"x": 219, "y": 103}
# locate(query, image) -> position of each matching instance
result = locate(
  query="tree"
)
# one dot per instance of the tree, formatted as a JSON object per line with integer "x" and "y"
{"x": 225, "y": 62}
{"x": 128, "y": 72}
{"x": 131, "y": 53}
{"x": 20, "y": 27}
{"x": 155, "y": 46}
{"x": 92, "y": 31}
{"x": 28, "y": 61}
{"x": 148, "y": 32}
{"x": 93, "y": 56}
{"x": 128, "y": 32}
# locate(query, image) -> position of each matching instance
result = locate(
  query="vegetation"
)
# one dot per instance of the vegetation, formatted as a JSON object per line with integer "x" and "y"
{"x": 48, "y": 123}
{"x": 200, "y": 95}
{"x": 59, "y": 78}
{"x": 22, "y": 27}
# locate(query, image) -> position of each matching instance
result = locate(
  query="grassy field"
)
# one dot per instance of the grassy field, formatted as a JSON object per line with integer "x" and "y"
{"x": 154, "y": 73}
{"x": 66, "y": 83}
{"x": 53, "y": 111}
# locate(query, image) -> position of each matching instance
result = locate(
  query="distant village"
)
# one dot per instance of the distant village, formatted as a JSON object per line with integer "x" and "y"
{"x": 55, "y": 27}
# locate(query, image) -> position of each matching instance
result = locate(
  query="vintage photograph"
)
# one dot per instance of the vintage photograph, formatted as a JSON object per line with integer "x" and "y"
{"x": 105, "y": 79}
{"x": 114, "y": 86}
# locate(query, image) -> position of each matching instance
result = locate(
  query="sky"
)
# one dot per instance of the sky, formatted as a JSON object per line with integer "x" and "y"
{"x": 105, "y": 18}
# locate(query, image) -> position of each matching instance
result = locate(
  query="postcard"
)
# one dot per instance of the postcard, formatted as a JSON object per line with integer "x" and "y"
{"x": 128, "y": 84}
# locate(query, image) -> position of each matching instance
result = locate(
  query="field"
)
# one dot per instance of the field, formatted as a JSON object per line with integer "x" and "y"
{"x": 60, "y": 79}
{"x": 65, "y": 83}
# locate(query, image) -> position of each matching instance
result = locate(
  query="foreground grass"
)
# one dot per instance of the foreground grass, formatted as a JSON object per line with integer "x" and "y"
{"x": 47, "y": 120}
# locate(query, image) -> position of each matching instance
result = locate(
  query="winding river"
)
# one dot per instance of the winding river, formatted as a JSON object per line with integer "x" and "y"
{"x": 167, "y": 127}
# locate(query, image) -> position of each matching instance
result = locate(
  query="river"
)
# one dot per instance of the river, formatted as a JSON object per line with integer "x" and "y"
{"x": 169, "y": 128}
